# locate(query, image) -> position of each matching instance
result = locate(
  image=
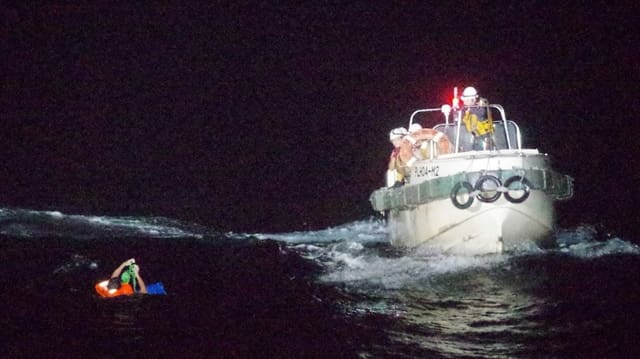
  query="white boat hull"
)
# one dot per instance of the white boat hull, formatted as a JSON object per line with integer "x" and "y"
{"x": 480, "y": 229}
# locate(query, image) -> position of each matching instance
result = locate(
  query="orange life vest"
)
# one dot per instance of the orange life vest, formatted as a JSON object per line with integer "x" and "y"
{"x": 104, "y": 291}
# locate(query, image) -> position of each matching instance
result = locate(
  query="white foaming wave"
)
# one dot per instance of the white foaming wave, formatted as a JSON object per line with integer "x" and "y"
{"x": 140, "y": 226}
{"x": 352, "y": 262}
{"x": 347, "y": 257}
{"x": 33, "y": 223}
{"x": 366, "y": 231}
{"x": 583, "y": 242}
{"x": 401, "y": 272}
{"x": 580, "y": 234}
{"x": 55, "y": 214}
{"x": 595, "y": 249}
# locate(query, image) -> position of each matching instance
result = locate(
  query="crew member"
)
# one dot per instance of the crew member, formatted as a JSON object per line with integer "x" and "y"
{"x": 477, "y": 119}
{"x": 396, "y": 168}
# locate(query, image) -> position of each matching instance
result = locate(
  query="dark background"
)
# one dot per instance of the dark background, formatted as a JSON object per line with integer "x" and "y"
{"x": 264, "y": 117}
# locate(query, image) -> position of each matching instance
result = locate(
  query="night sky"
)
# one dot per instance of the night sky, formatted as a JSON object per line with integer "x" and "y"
{"x": 263, "y": 117}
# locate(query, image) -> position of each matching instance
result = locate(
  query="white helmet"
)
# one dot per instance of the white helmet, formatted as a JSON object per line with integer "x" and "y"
{"x": 469, "y": 92}
{"x": 397, "y": 133}
{"x": 414, "y": 127}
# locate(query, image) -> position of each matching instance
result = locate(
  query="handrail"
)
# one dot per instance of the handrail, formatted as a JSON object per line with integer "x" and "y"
{"x": 458, "y": 119}
{"x": 419, "y": 111}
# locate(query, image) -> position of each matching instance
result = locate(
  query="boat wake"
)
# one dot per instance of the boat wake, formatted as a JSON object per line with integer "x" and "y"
{"x": 359, "y": 254}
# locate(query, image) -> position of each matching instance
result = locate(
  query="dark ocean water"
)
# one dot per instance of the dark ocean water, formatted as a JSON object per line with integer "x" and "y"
{"x": 342, "y": 292}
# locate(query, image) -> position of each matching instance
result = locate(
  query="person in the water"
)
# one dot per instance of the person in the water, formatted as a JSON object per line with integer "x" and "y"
{"x": 123, "y": 282}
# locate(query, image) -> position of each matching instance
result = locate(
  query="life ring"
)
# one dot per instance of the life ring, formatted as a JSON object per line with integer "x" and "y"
{"x": 482, "y": 192}
{"x": 455, "y": 192}
{"x": 423, "y": 138}
{"x": 524, "y": 185}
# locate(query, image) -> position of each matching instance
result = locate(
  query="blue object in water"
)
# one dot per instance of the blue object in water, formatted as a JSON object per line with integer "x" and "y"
{"x": 156, "y": 288}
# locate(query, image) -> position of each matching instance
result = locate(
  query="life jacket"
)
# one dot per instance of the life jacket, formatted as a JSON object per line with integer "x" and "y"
{"x": 478, "y": 121}
{"x": 104, "y": 291}
{"x": 399, "y": 159}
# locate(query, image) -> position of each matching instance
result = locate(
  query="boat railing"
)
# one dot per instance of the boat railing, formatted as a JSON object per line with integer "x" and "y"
{"x": 506, "y": 132}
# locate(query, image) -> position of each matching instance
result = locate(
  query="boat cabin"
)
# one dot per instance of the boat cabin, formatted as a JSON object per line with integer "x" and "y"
{"x": 506, "y": 133}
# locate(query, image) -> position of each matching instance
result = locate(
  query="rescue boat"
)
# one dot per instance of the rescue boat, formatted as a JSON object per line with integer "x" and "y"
{"x": 460, "y": 199}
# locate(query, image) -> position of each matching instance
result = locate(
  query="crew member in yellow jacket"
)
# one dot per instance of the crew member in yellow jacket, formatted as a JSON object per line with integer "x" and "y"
{"x": 477, "y": 119}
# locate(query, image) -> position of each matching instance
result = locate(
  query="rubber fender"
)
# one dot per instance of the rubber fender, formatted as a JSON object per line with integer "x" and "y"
{"x": 480, "y": 186}
{"x": 455, "y": 191}
{"x": 525, "y": 184}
